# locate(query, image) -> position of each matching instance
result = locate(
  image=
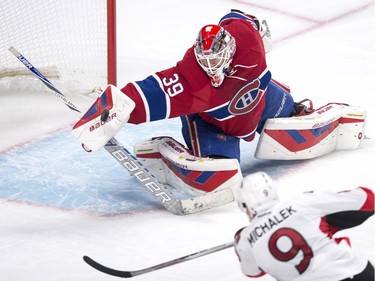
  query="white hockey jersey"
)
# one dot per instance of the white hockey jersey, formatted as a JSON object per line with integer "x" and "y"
{"x": 295, "y": 242}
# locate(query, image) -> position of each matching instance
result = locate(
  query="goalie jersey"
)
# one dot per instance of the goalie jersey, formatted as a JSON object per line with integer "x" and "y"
{"x": 296, "y": 241}
{"x": 235, "y": 107}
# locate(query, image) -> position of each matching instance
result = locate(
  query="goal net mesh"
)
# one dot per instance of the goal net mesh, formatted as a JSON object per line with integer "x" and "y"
{"x": 66, "y": 40}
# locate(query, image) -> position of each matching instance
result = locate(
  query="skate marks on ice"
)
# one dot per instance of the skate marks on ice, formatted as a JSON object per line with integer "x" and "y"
{"x": 56, "y": 172}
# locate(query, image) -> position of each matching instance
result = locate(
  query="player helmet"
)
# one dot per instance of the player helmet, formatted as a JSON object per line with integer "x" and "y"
{"x": 214, "y": 50}
{"x": 257, "y": 195}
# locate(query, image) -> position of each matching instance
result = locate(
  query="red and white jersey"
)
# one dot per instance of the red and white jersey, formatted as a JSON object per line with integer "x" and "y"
{"x": 295, "y": 241}
{"x": 235, "y": 107}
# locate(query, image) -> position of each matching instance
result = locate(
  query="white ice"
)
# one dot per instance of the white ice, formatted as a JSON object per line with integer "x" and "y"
{"x": 58, "y": 203}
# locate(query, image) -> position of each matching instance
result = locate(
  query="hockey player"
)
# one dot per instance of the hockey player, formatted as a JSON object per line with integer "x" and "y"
{"x": 223, "y": 92}
{"x": 221, "y": 89}
{"x": 295, "y": 239}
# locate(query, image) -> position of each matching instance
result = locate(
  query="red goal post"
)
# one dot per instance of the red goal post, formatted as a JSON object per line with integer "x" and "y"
{"x": 70, "y": 41}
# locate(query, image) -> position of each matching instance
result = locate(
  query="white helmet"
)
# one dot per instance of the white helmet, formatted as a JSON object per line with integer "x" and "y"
{"x": 257, "y": 195}
{"x": 214, "y": 50}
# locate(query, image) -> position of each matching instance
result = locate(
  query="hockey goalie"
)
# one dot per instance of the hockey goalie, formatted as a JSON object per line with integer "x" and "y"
{"x": 223, "y": 92}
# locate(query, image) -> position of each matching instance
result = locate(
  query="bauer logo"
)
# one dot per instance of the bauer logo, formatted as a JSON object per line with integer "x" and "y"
{"x": 136, "y": 169}
{"x": 100, "y": 123}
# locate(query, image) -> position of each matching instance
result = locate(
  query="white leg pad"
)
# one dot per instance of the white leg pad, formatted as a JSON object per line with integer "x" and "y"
{"x": 147, "y": 152}
{"x": 331, "y": 127}
{"x": 172, "y": 163}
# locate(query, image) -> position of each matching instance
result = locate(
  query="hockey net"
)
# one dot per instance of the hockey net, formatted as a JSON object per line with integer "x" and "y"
{"x": 72, "y": 42}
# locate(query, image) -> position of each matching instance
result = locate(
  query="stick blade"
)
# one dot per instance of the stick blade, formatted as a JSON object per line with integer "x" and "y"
{"x": 107, "y": 270}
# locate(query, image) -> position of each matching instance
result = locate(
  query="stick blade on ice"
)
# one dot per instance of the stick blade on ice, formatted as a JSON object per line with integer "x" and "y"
{"x": 107, "y": 270}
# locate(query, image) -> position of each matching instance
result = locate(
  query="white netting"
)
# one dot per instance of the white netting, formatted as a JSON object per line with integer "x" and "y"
{"x": 64, "y": 39}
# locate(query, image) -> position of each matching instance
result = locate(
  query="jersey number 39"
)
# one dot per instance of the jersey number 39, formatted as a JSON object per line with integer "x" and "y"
{"x": 172, "y": 86}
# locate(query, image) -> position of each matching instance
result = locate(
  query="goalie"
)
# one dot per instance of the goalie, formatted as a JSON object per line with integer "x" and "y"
{"x": 223, "y": 92}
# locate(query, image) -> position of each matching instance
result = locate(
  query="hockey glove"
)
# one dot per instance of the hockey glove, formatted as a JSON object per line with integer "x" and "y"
{"x": 103, "y": 119}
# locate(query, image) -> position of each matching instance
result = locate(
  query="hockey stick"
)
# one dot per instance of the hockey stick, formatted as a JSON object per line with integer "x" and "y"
{"x": 132, "y": 273}
{"x": 160, "y": 192}
{"x": 44, "y": 79}
{"x": 136, "y": 169}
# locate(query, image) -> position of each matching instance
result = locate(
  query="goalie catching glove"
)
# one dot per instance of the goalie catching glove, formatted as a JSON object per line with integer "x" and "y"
{"x": 103, "y": 119}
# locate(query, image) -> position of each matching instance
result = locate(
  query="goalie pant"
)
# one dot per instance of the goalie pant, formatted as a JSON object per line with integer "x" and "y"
{"x": 295, "y": 241}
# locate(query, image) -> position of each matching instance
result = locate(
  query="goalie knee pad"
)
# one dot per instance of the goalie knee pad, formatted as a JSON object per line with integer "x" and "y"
{"x": 172, "y": 164}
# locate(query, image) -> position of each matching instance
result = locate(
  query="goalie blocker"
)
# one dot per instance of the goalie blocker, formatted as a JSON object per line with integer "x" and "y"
{"x": 104, "y": 119}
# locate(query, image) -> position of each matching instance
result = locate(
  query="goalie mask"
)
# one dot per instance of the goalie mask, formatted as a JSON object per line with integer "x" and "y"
{"x": 214, "y": 50}
{"x": 257, "y": 195}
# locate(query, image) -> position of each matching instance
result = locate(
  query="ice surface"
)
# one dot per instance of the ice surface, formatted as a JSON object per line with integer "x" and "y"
{"x": 58, "y": 203}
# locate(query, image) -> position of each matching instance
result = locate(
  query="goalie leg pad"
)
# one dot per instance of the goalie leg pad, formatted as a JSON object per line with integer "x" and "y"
{"x": 333, "y": 126}
{"x": 103, "y": 119}
{"x": 172, "y": 163}
{"x": 148, "y": 153}
{"x": 352, "y": 128}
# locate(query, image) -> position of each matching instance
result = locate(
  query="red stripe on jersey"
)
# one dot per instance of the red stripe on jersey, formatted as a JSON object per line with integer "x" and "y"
{"x": 368, "y": 206}
{"x": 341, "y": 239}
{"x": 256, "y": 276}
{"x": 138, "y": 115}
{"x": 330, "y": 230}
{"x": 327, "y": 228}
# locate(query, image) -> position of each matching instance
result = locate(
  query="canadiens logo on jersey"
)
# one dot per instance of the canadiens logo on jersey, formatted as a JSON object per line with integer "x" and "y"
{"x": 246, "y": 99}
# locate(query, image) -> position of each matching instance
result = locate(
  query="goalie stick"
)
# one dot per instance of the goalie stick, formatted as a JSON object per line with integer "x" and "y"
{"x": 132, "y": 273}
{"x": 42, "y": 78}
{"x": 135, "y": 168}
